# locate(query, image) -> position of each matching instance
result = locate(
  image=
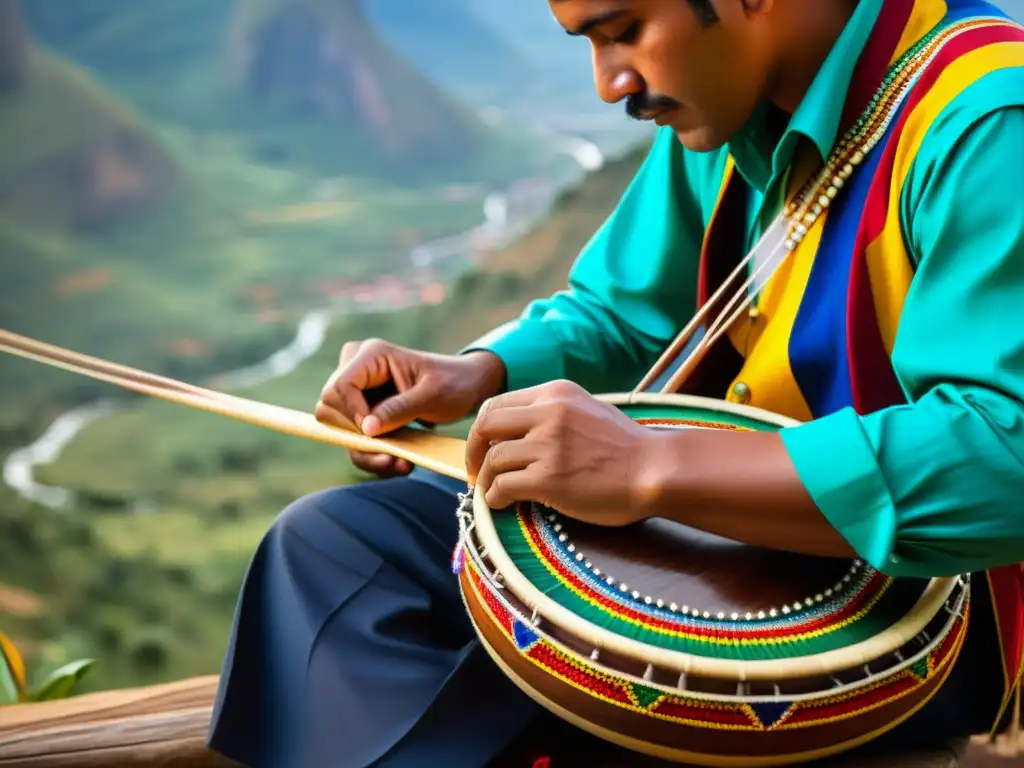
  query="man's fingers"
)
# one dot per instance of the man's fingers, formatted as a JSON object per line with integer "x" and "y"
{"x": 512, "y": 487}
{"x": 366, "y": 368}
{"x": 519, "y": 398}
{"x": 380, "y": 464}
{"x": 342, "y": 404}
{"x": 328, "y": 411}
{"x": 495, "y": 424}
{"x": 348, "y": 351}
{"x": 503, "y": 458}
{"x": 400, "y": 409}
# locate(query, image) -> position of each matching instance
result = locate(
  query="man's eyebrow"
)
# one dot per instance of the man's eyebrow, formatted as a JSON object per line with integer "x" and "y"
{"x": 593, "y": 22}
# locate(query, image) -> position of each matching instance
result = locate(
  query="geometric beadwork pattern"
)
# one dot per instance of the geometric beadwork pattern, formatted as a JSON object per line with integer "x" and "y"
{"x": 705, "y": 712}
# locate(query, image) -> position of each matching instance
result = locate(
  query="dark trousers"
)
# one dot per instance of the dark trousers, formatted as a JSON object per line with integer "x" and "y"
{"x": 351, "y": 648}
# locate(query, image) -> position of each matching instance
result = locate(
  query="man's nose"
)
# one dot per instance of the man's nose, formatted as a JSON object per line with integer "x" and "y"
{"x": 616, "y": 83}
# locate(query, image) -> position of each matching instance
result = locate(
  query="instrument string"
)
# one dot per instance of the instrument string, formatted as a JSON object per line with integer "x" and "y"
{"x": 725, "y": 319}
{"x": 684, "y": 336}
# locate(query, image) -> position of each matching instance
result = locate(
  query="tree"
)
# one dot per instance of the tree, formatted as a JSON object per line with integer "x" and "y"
{"x": 13, "y": 46}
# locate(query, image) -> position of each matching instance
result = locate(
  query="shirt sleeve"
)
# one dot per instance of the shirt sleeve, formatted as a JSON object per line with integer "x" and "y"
{"x": 630, "y": 290}
{"x": 936, "y": 487}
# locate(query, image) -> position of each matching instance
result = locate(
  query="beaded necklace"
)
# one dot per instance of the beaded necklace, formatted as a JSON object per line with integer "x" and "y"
{"x": 818, "y": 193}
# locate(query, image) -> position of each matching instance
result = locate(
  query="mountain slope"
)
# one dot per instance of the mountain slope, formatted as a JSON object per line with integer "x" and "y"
{"x": 323, "y": 57}
{"x": 128, "y": 38}
{"x": 451, "y": 44}
{"x": 564, "y": 63}
{"x": 306, "y": 83}
{"x": 83, "y": 159}
{"x": 13, "y": 46}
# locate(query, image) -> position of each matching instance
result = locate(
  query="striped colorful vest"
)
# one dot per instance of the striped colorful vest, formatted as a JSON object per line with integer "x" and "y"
{"x": 827, "y": 320}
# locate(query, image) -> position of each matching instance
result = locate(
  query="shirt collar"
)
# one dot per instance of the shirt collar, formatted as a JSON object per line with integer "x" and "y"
{"x": 758, "y": 157}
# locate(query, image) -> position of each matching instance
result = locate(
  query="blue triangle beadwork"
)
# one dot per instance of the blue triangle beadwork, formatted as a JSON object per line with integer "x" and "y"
{"x": 770, "y": 712}
{"x": 525, "y": 637}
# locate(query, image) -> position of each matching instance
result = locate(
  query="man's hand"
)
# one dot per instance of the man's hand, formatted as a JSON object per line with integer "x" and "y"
{"x": 557, "y": 445}
{"x": 436, "y": 388}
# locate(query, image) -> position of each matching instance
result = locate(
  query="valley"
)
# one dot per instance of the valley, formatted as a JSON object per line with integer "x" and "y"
{"x": 174, "y": 501}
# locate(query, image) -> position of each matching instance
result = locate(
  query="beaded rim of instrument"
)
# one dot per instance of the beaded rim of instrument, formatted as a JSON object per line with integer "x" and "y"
{"x": 858, "y": 580}
{"x": 760, "y": 678}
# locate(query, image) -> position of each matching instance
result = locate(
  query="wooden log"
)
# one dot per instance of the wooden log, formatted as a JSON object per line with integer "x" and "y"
{"x": 165, "y": 726}
{"x": 161, "y": 726}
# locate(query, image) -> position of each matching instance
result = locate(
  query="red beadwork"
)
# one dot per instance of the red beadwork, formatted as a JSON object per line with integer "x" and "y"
{"x": 711, "y": 714}
{"x": 605, "y": 688}
{"x": 499, "y": 611}
{"x": 802, "y": 714}
{"x": 683, "y": 709}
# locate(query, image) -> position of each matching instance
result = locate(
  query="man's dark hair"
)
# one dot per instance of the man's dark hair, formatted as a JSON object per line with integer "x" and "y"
{"x": 705, "y": 10}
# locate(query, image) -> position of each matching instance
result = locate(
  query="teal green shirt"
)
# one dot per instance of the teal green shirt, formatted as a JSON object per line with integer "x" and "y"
{"x": 932, "y": 488}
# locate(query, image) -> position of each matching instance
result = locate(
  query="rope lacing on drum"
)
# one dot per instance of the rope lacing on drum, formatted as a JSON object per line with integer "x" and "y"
{"x": 464, "y": 513}
{"x": 467, "y": 522}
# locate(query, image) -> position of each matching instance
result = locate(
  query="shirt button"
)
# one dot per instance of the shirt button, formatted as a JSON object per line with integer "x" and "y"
{"x": 741, "y": 393}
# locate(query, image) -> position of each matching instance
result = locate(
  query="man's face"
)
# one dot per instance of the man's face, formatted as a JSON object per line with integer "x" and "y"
{"x": 703, "y": 77}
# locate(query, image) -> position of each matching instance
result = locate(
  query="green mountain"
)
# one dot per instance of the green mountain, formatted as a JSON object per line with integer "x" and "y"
{"x": 73, "y": 156}
{"x": 83, "y": 158}
{"x": 298, "y": 82}
{"x": 323, "y": 59}
{"x": 75, "y": 161}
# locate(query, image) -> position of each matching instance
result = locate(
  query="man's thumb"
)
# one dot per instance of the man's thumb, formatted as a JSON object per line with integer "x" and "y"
{"x": 398, "y": 410}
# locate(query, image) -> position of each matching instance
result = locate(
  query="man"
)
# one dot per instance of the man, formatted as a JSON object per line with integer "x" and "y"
{"x": 893, "y": 333}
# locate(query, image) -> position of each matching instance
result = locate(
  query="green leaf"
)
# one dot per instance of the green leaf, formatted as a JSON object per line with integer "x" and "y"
{"x": 8, "y": 687}
{"x": 60, "y": 682}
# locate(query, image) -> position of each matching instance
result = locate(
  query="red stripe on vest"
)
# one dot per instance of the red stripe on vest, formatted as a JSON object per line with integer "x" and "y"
{"x": 873, "y": 381}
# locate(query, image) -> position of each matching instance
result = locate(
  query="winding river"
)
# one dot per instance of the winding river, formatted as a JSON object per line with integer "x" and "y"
{"x": 501, "y": 225}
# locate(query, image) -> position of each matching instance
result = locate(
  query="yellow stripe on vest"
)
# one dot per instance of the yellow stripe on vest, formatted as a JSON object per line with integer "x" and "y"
{"x": 925, "y": 15}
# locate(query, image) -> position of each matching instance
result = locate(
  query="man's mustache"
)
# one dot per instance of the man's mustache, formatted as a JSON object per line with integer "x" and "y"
{"x": 641, "y": 106}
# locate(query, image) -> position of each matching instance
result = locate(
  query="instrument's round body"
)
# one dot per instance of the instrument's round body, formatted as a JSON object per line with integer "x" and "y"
{"x": 699, "y": 650}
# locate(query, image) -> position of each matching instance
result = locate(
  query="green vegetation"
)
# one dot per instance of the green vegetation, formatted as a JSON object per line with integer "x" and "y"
{"x": 17, "y": 688}
{"x": 148, "y": 588}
